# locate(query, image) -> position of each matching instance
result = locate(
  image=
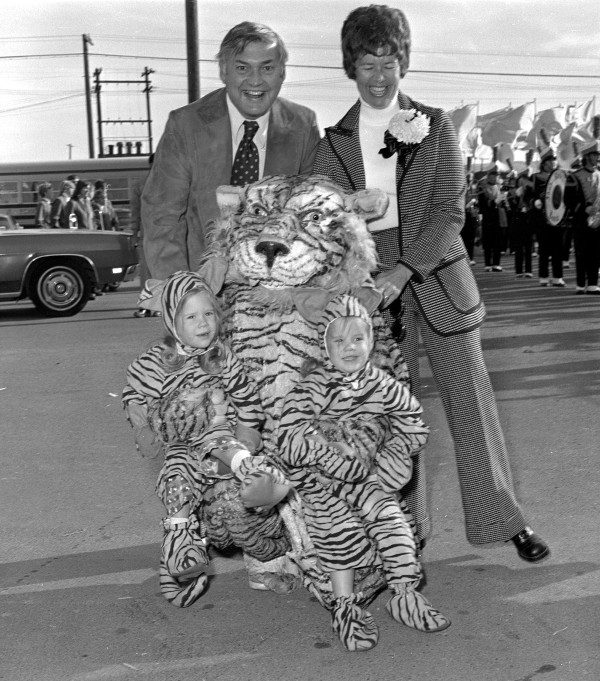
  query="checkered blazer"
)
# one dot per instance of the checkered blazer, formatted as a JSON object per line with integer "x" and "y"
{"x": 430, "y": 194}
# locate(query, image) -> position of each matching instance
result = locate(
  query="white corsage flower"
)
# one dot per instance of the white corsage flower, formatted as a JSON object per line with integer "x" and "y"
{"x": 409, "y": 126}
{"x": 406, "y": 130}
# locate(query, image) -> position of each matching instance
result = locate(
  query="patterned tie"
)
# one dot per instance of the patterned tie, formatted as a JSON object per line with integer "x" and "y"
{"x": 245, "y": 165}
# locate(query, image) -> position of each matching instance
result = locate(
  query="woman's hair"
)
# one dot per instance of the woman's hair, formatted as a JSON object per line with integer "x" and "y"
{"x": 79, "y": 187}
{"x": 67, "y": 184}
{"x": 247, "y": 32}
{"x": 370, "y": 29}
{"x": 44, "y": 189}
{"x": 211, "y": 361}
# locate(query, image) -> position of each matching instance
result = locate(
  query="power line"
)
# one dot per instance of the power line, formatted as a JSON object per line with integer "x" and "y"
{"x": 323, "y": 67}
{"x": 47, "y": 101}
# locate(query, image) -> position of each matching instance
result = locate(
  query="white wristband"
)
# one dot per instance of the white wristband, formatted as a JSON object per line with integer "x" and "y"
{"x": 237, "y": 459}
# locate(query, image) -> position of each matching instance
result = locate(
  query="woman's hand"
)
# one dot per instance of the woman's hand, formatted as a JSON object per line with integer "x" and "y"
{"x": 391, "y": 283}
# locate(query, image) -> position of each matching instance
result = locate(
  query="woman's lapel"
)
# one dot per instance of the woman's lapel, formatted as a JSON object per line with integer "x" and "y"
{"x": 345, "y": 144}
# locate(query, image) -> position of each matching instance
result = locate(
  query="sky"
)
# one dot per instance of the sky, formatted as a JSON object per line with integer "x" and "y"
{"x": 494, "y": 54}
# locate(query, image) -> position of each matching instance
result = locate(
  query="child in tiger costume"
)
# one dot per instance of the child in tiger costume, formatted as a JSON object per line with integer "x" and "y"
{"x": 346, "y": 435}
{"x": 187, "y": 395}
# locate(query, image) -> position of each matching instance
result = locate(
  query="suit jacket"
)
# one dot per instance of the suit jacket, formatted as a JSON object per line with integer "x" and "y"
{"x": 194, "y": 157}
{"x": 431, "y": 198}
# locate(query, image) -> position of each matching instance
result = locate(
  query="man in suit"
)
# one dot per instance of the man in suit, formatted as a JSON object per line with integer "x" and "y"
{"x": 197, "y": 150}
{"x": 408, "y": 149}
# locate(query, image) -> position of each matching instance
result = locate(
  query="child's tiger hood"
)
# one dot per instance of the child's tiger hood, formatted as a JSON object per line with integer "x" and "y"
{"x": 175, "y": 288}
{"x": 166, "y": 296}
{"x": 342, "y": 306}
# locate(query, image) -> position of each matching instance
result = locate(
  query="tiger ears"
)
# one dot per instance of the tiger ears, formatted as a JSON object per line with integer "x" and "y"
{"x": 228, "y": 199}
{"x": 368, "y": 203}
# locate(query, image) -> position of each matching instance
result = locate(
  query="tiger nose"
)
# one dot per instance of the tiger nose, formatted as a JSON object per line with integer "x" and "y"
{"x": 271, "y": 248}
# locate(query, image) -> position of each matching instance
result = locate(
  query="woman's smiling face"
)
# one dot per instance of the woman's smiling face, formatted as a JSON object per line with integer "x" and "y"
{"x": 378, "y": 79}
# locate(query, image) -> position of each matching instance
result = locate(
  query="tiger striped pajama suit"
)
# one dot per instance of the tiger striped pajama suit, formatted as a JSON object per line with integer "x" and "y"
{"x": 379, "y": 418}
{"x": 226, "y": 520}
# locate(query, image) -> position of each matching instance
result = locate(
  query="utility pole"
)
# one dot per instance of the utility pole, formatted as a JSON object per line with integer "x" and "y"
{"x": 147, "y": 89}
{"x": 193, "y": 58}
{"x": 70, "y": 146}
{"x": 88, "y": 95}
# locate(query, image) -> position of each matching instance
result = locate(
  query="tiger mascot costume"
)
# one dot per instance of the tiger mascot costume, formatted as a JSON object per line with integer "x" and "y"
{"x": 284, "y": 247}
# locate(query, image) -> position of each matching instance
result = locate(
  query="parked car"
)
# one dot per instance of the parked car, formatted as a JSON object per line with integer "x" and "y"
{"x": 59, "y": 269}
{"x": 8, "y": 222}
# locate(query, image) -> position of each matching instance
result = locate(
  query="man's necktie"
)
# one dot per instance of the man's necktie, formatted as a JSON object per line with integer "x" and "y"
{"x": 245, "y": 165}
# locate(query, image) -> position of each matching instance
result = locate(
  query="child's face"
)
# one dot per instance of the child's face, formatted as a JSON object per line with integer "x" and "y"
{"x": 196, "y": 321}
{"x": 349, "y": 343}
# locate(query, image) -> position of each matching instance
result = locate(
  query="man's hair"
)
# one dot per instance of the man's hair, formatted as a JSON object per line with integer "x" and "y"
{"x": 247, "y": 32}
{"x": 370, "y": 29}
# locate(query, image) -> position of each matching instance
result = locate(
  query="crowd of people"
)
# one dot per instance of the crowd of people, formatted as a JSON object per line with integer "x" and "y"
{"x": 78, "y": 205}
{"x": 245, "y": 131}
{"x": 506, "y": 213}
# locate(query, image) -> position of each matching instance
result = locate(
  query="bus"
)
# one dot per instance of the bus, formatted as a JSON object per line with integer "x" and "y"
{"x": 19, "y": 183}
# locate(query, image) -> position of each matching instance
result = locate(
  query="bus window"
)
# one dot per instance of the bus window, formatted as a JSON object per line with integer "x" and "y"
{"x": 29, "y": 192}
{"x": 118, "y": 189}
{"x": 9, "y": 192}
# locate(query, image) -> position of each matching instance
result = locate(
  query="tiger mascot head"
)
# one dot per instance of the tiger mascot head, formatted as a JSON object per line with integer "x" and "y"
{"x": 295, "y": 232}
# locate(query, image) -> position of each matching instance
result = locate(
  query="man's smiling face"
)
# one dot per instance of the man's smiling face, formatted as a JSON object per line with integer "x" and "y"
{"x": 253, "y": 78}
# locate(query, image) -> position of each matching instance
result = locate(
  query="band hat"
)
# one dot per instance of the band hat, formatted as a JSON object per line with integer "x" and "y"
{"x": 589, "y": 147}
{"x": 547, "y": 154}
{"x": 587, "y": 136}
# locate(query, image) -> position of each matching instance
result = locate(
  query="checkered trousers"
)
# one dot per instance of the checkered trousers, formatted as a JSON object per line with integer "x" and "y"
{"x": 491, "y": 510}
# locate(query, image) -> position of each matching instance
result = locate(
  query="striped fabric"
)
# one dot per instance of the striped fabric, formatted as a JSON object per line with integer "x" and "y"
{"x": 327, "y": 398}
{"x": 442, "y": 302}
{"x": 148, "y": 383}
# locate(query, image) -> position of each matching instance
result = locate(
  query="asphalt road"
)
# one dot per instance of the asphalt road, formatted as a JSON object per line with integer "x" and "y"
{"x": 79, "y": 538}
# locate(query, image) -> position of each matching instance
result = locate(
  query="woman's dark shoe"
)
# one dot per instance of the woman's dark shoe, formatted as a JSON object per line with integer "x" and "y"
{"x": 530, "y": 547}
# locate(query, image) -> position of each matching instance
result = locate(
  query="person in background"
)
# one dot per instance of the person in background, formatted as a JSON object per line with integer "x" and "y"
{"x": 61, "y": 208}
{"x": 135, "y": 204}
{"x": 234, "y": 135}
{"x": 489, "y": 198}
{"x": 521, "y": 230}
{"x": 43, "y": 211}
{"x": 584, "y": 200}
{"x": 549, "y": 237}
{"x": 81, "y": 206}
{"x": 105, "y": 215}
{"x": 425, "y": 275}
{"x": 471, "y": 226}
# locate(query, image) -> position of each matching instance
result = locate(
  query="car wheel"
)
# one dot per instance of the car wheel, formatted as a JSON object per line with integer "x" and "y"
{"x": 114, "y": 286}
{"x": 60, "y": 290}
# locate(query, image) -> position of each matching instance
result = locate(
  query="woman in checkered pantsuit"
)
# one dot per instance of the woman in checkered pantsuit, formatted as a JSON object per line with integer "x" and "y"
{"x": 425, "y": 268}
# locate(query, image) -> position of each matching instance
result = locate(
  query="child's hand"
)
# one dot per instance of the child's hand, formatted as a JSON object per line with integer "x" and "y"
{"x": 343, "y": 448}
{"x": 219, "y": 404}
{"x": 149, "y": 446}
{"x": 259, "y": 490}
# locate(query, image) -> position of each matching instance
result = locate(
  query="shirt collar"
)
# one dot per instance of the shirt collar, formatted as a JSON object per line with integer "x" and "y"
{"x": 237, "y": 126}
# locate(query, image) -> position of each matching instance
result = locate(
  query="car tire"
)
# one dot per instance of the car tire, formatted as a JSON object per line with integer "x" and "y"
{"x": 60, "y": 289}
{"x": 113, "y": 287}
